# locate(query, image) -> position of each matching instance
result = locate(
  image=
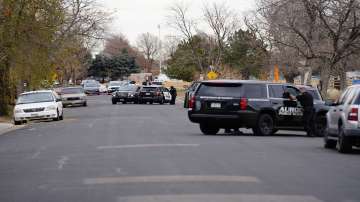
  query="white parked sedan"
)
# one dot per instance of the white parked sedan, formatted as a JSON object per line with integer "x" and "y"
{"x": 36, "y": 105}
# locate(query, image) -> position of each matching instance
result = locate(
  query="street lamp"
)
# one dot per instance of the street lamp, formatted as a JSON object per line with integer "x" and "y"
{"x": 160, "y": 60}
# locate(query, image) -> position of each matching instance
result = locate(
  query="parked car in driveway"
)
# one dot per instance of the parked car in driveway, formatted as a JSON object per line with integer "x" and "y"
{"x": 35, "y": 105}
{"x": 92, "y": 88}
{"x": 73, "y": 96}
{"x": 343, "y": 121}
{"x": 125, "y": 94}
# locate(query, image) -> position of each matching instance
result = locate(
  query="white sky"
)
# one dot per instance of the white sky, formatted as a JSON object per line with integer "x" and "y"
{"x": 133, "y": 17}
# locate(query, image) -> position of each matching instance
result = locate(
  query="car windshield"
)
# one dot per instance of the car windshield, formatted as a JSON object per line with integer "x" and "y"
{"x": 72, "y": 91}
{"x": 35, "y": 98}
{"x": 91, "y": 85}
{"x": 220, "y": 90}
{"x": 115, "y": 84}
{"x": 128, "y": 88}
{"x": 148, "y": 89}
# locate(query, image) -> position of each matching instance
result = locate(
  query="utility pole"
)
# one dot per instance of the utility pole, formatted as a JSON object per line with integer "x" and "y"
{"x": 160, "y": 49}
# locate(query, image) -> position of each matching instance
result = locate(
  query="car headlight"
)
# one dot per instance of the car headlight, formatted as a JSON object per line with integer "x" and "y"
{"x": 51, "y": 107}
{"x": 16, "y": 111}
{"x": 131, "y": 94}
{"x": 114, "y": 94}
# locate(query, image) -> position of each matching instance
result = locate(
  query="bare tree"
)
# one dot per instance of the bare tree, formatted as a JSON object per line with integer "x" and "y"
{"x": 179, "y": 20}
{"x": 149, "y": 45}
{"x": 327, "y": 31}
{"x": 117, "y": 43}
{"x": 223, "y": 22}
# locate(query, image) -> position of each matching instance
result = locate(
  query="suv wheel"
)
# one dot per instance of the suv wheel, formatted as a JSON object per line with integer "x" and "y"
{"x": 114, "y": 102}
{"x": 162, "y": 101}
{"x": 329, "y": 143}
{"x": 320, "y": 126}
{"x": 344, "y": 143}
{"x": 265, "y": 125}
{"x": 209, "y": 130}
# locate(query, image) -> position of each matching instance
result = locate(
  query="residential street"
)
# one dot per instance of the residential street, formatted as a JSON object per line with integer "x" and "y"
{"x": 132, "y": 153}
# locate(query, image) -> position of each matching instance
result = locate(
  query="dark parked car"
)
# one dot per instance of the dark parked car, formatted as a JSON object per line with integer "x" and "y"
{"x": 152, "y": 94}
{"x": 72, "y": 96}
{"x": 258, "y": 105}
{"x": 92, "y": 88}
{"x": 125, "y": 94}
{"x": 189, "y": 93}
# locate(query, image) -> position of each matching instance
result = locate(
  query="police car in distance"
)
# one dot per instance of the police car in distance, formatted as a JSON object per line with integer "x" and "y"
{"x": 258, "y": 105}
{"x": 154, "y": 94}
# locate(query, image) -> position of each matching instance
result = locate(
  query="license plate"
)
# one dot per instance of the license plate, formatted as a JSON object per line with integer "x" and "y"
{"x": 147, "y": 94}
{"x": 215, "y": 105}
{"x": 34, "y": 115}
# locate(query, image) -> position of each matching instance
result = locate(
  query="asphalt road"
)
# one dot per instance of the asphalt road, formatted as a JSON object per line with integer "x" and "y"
{"x": 153, "y": 153}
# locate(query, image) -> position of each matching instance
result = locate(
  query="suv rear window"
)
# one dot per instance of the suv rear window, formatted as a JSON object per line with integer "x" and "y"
{"x": 232, "y": 90}
{"x": 220, "y": 90}
{"x": 148, "y": 89}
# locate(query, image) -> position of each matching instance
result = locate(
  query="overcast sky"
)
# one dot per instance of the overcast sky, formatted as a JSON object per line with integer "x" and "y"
{"x": 133, "y": 17}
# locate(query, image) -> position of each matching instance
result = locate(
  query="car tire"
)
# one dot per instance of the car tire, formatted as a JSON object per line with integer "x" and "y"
{"x": 151, "y": 102}
{"x": 209, "y": 130}
{"x": 320, "y": 126}
{"x": 85, "y": 104}
{"x": 17, "y": 123}
{"x": 57, "y": 116}
{"x": 264, "y": 126}
{"x": 124, "y": 102}
{"x": 344, "y": 143}
{"x": 62, "y": 116}
{"x": 162, "y": 101}
{"x": 114, "y": 102}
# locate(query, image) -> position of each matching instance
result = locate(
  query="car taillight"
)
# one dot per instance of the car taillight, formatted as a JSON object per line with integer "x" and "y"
{"x": 243, "y": 103}
{"x": 353, "y": 115}
{"x": 158, "y": 93}
{"x": 192, "y": 102}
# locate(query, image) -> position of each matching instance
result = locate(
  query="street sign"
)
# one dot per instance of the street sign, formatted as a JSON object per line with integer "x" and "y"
{"x": 212, "y": 75}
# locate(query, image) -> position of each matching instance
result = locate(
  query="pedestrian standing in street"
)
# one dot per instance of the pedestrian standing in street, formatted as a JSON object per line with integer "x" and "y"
{"x": 173, "y": 95}
{"x": 307, "y": 102}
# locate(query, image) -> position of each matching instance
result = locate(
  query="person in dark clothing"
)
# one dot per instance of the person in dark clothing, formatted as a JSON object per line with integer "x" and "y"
{"x": 307, "y": 102}
{"x": 173, "y": 95}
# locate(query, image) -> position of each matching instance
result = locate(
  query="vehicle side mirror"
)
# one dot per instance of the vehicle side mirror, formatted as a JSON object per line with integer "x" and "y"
{"x": 58, "y": 99}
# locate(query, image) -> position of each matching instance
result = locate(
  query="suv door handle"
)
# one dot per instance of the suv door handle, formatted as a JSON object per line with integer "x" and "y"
{"x": 334, "y": 110}
{"x": 340, "y": 110}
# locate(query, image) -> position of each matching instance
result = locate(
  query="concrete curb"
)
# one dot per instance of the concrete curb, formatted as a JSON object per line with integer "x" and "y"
{"x": 8, "y": 127}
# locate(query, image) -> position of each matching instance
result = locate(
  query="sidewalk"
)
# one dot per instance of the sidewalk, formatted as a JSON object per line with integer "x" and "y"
{"x": 7, "y": 127}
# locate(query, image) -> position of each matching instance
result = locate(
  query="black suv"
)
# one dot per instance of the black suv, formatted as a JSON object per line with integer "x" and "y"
{"x": 125, "y": 94}
{"x": 258, "y": 105}
{"x": 151, "y": 94}
{"x": 189, "y": 92}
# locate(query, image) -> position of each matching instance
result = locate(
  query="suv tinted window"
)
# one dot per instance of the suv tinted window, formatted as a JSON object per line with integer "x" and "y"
{"x": 220, "y": 90}
{"x": 276, "y": 91}
{"x": 149, "y": 89}
{"x": 293, "y": 91}
{"x": 255, "y": 91}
